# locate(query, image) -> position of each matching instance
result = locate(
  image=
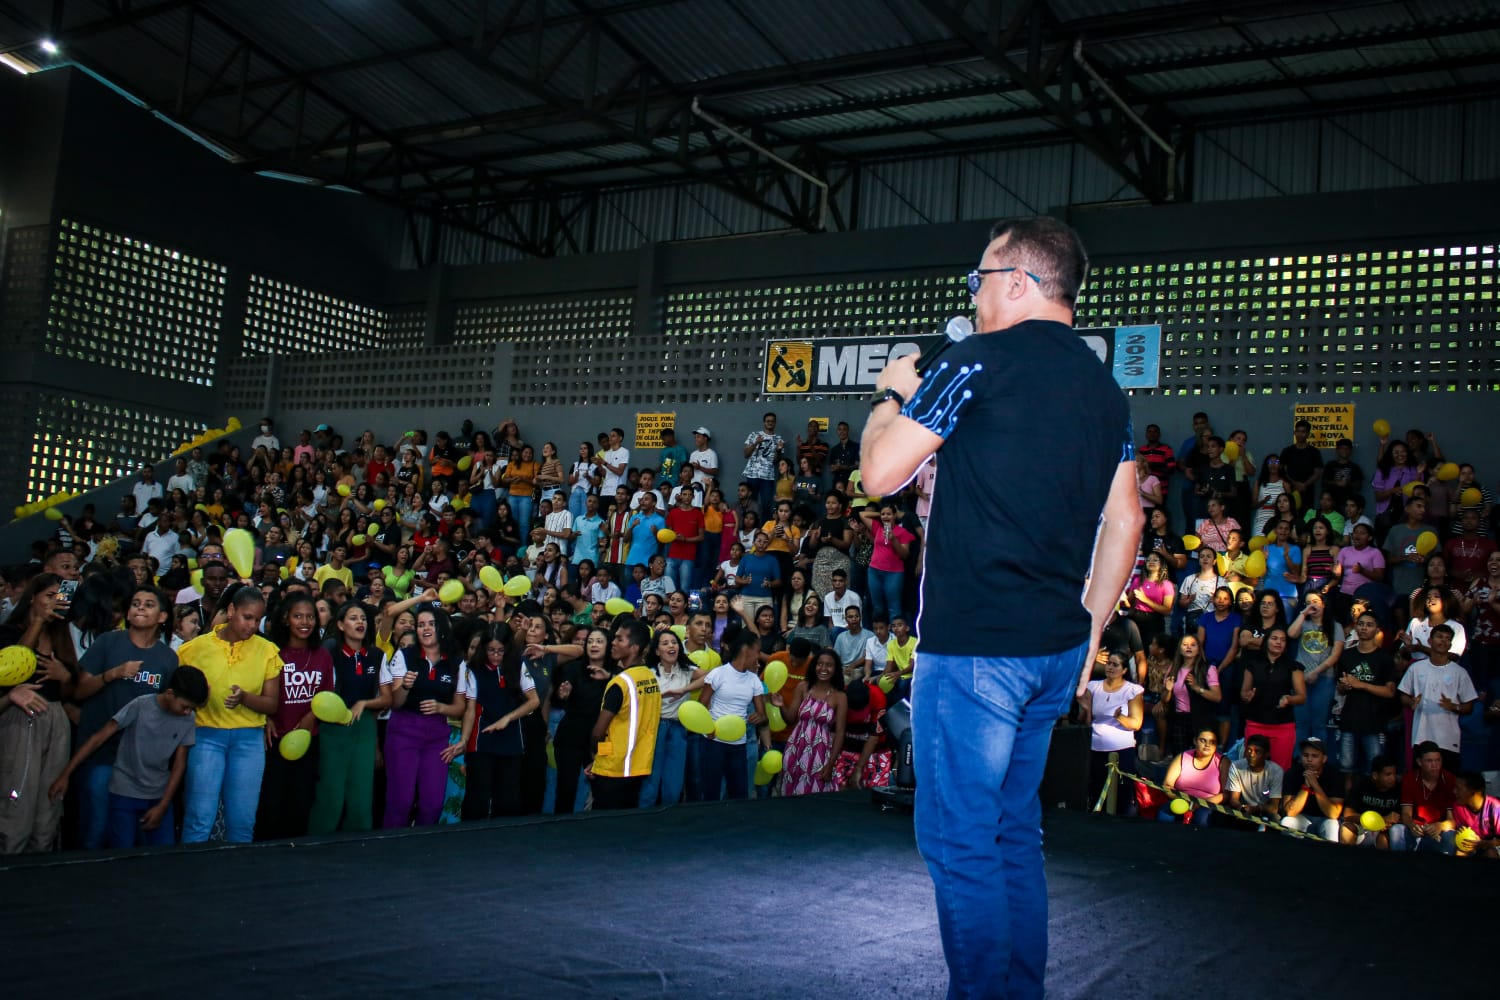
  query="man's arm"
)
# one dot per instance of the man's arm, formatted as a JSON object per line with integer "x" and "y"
{"x": 1114, "y": 557}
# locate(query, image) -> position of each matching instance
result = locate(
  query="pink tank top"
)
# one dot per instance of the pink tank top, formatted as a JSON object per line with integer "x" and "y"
{"x": 1203, "y": 784}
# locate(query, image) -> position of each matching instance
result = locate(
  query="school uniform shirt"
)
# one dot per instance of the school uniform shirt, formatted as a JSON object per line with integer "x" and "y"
{"x": 107, "y": 652}
{"x": 628, "y": 749}
{"x": 150, "y": 735}
{"x": 1431, "y": 721}
{"x": 356, "y": 673}
{"x": 436, "y": 681}
{"x": 498, "y": 699}
{"x": 734, "y": 694}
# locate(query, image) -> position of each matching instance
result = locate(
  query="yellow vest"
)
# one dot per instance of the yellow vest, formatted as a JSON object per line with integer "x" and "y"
{"x": 629, "y": 747}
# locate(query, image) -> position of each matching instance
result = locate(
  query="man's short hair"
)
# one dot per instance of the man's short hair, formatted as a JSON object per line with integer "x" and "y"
{"x": 1259, "y": 740}
{"x": 189, "y": 684}
{"x": 1444, "y": 628}
{"x": 1424, "y": 748}
{"x": 1301, "y": 424}
{"x": 1049, "y": 249}
{"x": 1381, "y": 762}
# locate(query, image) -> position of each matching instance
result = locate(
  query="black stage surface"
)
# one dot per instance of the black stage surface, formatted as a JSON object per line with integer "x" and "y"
{"x": 814, "y": 897}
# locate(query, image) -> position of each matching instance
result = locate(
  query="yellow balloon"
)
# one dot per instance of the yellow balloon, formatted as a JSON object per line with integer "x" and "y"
{"x": 695, "y": 717}
{"x": 887, "y": 683}
{"x": 774, "y": 675}
{"x": 357, "y": 540}
{"x": 666, "y": 536}
{"x": 762, "y": 776}
{"x": 1179, "y": 807}
{"x": 1466, "y": 839}
{"x": 1191, "y": 542}
{"x": 1222, "y": 564}
{"x": 1372, "y": 821}
{"x": 1257, "y": 543}
{"x": 196, "y": 579}
{"x": 239, "y": 546}
{"x": 451, "y": 591}
{"x": 295, "y": 743}
{"x": 1410, "y": 488}
{"x": 1382, "y": 428}
{"x": 344, "y": 489}
{"x": 517, "y": 586}
{"x": 491, "y": 578}
{"x": 379, "y": 506}
{"x": 680, "y": 631}
{"x": 1255, "y": 566}
{"x": 1426, "y": 542}
{"x": 233, "y": 424}
{"x": 1471, "y": 497}
{"x": 53, "y": 514}
{"x": 20, "y": 512}
{"x": 328, "y": 707}
{"x": 618, "y": 606}
{"x": 465, "y": 462}
{"x": 773, "y": 717}
{"x": 771, "y": 761}
{"x": 730, "y": 728}
{"x": 1231, "y": 450}
{"x": 1448, "y": 471}
{"x": 17, "y": 664}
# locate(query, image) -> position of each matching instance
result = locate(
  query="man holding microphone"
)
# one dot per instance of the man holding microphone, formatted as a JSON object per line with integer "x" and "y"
{"x": 990, "y": 687}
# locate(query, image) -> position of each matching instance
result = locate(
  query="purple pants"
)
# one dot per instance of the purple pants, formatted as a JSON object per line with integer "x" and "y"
{"x": 414, "y": 768}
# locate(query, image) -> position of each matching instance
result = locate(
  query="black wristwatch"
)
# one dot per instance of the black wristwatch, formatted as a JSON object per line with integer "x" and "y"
{"x": 881, "y": 395}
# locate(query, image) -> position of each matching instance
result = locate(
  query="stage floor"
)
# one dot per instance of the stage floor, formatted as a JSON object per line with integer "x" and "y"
{"x": 816, "y": 897}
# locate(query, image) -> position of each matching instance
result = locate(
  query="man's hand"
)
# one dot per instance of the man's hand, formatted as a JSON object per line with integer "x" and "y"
{"x": 900, "y": 374}
{"x": 151, "y": 818}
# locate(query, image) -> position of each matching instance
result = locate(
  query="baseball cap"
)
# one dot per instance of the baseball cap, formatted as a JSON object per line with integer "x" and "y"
{"x": 1314, "y": 742}
{"x": 704, "y": 431}
{"x": 322, "y": 427}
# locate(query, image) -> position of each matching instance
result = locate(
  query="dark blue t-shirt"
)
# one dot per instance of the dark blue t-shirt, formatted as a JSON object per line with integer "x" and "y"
{"x": 1010, "y": 544}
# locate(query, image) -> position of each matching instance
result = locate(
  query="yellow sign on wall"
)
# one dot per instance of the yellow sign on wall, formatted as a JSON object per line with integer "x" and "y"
{"x": 648, "y": 428}
{"x": 1330, "y": 421}
{"x": 789, "y": 366}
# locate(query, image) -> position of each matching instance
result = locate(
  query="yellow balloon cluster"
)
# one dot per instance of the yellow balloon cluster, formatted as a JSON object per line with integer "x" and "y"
{"x": 211, "y": 434}
{"x": 37, "y": 507}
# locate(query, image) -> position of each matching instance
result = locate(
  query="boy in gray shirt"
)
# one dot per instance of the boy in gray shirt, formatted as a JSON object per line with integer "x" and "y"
{"x": 150, "y": 762}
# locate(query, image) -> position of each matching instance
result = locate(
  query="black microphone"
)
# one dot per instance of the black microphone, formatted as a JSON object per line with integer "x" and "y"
{"x": 959, "y": 328}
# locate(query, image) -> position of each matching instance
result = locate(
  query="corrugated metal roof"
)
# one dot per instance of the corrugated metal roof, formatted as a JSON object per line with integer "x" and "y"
{"x": 714, "y": 41}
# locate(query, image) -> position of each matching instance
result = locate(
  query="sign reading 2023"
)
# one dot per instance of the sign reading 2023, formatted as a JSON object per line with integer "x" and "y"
{"x": 832, "y": 366}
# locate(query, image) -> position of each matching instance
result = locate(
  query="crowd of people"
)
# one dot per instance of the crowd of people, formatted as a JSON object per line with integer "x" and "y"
{"x": 502, "y": 633}
{"x": 1315, "y": 656}
{"x": 508, "y": 632}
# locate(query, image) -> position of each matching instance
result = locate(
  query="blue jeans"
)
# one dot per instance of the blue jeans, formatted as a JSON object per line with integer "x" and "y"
{"x": 224, "y": 764}
{"x": 885, "y": 594}
{"x": 669, "y": 767}
{"x": 680, "y": 571}
{"x": 1359, "y": 751}
{"x": 1312, "y": 715}
{"x": 723, "y": 763}
{"x": 765, "y": 494}
{"x": 578, "y": 503}
{"x": 981, "y": 728}
{"x": 93, "y": 802}
{"x": 125, "y": 823}
{"x": 520, "y": 512}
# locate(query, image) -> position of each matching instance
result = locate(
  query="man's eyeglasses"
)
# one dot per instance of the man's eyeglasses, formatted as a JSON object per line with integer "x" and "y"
{"x": 976, "y": 277}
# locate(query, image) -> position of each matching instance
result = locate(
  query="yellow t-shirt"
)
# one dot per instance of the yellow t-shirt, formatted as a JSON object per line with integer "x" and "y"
{"x": 629, "y": 747}
{"x": 325, "y": 572}
{"x": 249, "y": 664}
{"x": 901, "y": 655}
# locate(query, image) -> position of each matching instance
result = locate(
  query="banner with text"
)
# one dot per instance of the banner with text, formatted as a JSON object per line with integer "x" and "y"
{"x": 1330, "y": 421}
{"x": 648, "y": 428}
{"x": 832, "y": 366}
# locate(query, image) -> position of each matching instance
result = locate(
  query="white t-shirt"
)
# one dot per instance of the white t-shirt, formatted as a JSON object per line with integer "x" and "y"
{"x": 635, "y": 501}
{"x": 184, "y": 482}
{"x": 144, "y": 493}
{"x": 1421, "y": 631}
{"x": 1431, "y": 720}
{"x": 707, "y": 457}
{"x": 598, "y": 594}
{"x": 697, "y": 495}
{"x": 834, "y": 606}
{"x": 1108, "y": 733}
{"x": 730, "y": 569}
{"x": 1256, "y": 789}
{"x": 612, "y": 480}
{"x": 876, "y": 653}
{"x": 734, "y": 694}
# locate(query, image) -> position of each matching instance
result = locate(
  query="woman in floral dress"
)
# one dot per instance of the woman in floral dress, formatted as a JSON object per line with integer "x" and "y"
{"x": 820, "y": 708}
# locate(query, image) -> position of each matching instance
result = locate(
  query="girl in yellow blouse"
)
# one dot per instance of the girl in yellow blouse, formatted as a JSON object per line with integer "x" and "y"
{"x": 229, "y": 756}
